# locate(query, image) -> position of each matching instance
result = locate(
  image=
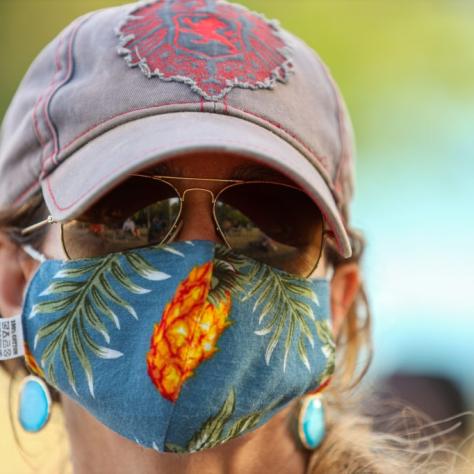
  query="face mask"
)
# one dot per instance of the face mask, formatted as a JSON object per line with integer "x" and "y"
{"x": 178, "y": 348}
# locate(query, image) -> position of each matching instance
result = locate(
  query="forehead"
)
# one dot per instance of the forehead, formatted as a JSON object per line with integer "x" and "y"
{"x": 130, "y": 195}
{"x": 221, "y": 165}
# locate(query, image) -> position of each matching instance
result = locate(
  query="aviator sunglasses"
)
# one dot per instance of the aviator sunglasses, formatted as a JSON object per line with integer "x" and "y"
{"x": 274, "y": 223}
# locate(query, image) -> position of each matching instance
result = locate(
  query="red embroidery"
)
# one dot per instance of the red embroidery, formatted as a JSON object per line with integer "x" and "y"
{"x": 210, "y": 45}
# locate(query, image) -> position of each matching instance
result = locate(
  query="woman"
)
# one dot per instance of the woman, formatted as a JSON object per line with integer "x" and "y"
{"x": 209, "y": 334}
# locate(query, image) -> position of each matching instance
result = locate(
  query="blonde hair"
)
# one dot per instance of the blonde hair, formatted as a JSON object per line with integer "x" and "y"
{"x": 350, "y": 445}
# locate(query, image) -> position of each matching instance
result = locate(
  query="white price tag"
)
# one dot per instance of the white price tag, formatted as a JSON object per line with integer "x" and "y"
{"x": 11, "y": 338}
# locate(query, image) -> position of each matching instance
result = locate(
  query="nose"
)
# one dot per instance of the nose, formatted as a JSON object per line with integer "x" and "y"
{"x": 197, "y": 222}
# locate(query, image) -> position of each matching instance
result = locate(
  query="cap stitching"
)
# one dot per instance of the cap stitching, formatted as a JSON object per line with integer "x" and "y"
{"x": 56, "y": 87}
{"x": 227, "y": 110}
{"x": 321, "y": 160}
{"x": 67, "y": 78}
{"x": 153, "y": 149}
{"x": 78, "y": 137}
{"x": 46, "y": 98}
{"x": 340, "y": 120}
{"x": 52, "y": 82}
{"x": 343, "y": 149}
{"x": 320, "y": 203}
{"x": 121, "y": 114}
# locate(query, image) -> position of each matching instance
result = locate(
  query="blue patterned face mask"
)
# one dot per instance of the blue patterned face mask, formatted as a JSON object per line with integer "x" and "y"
{"x": 179, "y": 348}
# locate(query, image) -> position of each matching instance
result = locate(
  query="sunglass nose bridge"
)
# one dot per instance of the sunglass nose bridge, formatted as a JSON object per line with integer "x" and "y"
{"x": 197, "y": 189}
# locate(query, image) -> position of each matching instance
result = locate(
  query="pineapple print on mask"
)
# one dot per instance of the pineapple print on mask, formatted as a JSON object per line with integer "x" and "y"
{"x": 187, "y": 334}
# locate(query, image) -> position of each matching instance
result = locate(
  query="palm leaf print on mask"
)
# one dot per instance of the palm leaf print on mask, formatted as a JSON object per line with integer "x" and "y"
{"x": 279, "y": 302}
{"x": 188, "y": 332}
{"x": 217, "y": 430}
{"x": 226, "y": 277}
{"x": 85, "y": 296}
{"x": 280, "y": 306}
{"x": 329, "y": 349}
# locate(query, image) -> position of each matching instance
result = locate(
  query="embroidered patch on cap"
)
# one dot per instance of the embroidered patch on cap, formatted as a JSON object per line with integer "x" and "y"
{"x": 210, "y": 45}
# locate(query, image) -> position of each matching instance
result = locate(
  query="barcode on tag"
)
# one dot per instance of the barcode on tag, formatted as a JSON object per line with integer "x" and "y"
{"x": 11, "y": 338}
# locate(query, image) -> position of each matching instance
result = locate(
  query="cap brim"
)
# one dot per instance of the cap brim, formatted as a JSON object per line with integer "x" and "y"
{"x": 104, "y": 162}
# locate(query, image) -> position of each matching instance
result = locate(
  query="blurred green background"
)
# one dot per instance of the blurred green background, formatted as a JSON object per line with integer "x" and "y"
{"x": 406, "y": 69}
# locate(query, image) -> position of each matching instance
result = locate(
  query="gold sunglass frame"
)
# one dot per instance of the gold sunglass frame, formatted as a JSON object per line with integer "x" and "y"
{"x": 181, "y": 196}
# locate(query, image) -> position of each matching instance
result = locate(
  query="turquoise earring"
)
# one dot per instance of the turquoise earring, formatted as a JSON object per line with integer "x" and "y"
{"x": 311, "y": 421}
{"x": 34, "y": 406}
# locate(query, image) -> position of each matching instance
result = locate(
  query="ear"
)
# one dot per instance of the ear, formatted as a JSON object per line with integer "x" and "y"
{"x": 15, "y": 270}
{"x": 344, "y": 287}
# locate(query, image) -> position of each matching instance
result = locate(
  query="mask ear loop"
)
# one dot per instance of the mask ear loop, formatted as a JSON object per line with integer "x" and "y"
{"x": 63, "y": 243}
{"x": 330, "y": 272}
{"x": 34, "y": 254}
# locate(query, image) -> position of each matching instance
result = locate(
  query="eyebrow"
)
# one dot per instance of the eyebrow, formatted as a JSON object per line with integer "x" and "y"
{"x": 242, "y": 172}
{"x": 160, "y": 170}
{"x": 256, "y": 172}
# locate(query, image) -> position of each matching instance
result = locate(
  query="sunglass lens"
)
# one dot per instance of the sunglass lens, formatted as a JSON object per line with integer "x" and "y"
{"x": 141, "y": 212}
{"x": 273, "y": 223}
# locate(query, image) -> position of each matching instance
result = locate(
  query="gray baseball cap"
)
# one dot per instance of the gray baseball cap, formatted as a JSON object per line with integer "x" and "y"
{"x": 124, "y": 88}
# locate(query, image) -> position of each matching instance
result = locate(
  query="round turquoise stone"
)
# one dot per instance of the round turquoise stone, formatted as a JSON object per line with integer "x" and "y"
{"x": 313, "y": 423}
{"x": 34, "y": 405}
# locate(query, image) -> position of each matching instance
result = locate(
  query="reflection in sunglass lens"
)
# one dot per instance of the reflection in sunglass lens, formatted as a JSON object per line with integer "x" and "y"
{"x": 272, "y": 223}
{"x": 269, "y": 222}
{"x": 141, "y": 212}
